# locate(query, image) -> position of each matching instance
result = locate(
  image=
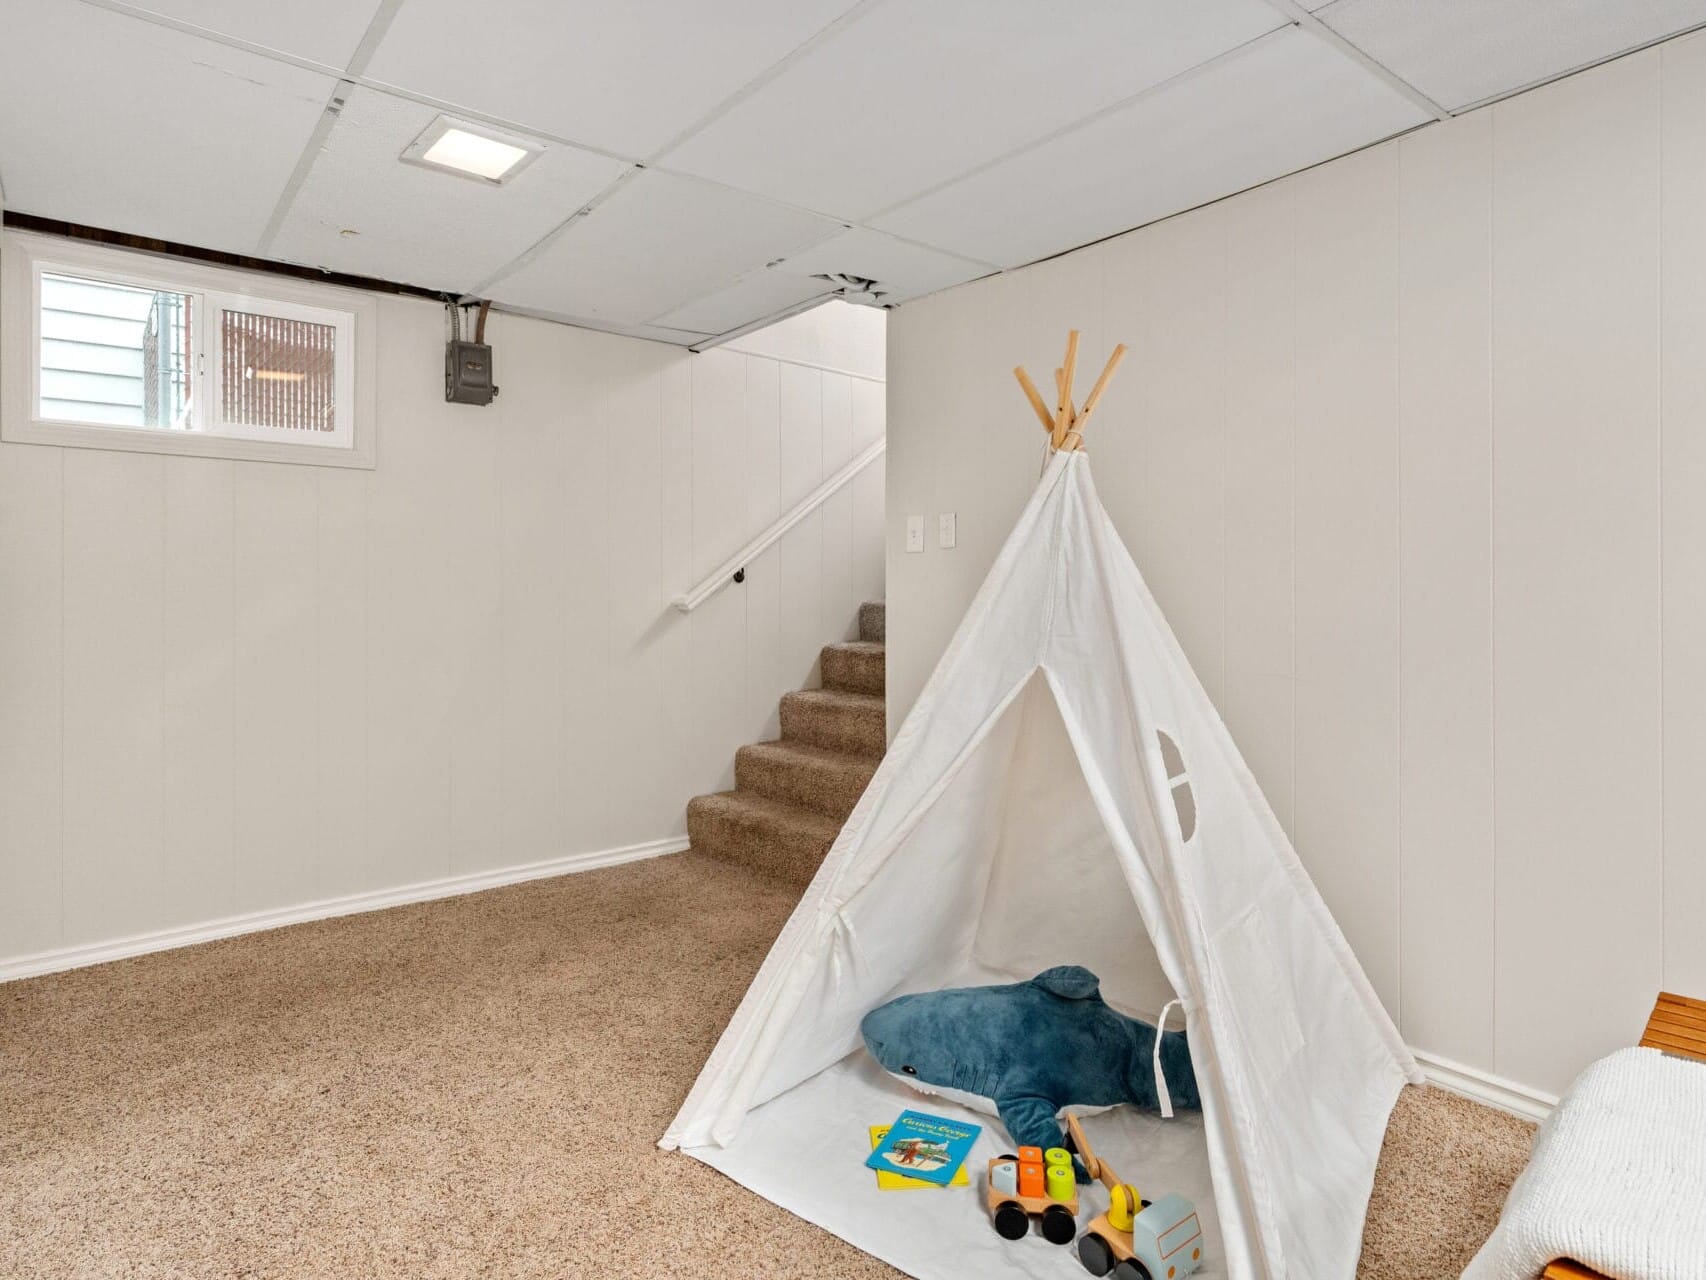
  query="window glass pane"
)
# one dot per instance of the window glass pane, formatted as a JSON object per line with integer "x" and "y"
{"x": 278, "y": 374}
{"x": 114, "y": 353}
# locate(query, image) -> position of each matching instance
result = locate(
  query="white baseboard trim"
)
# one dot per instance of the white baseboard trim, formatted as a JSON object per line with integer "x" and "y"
{"x": 424, "y": 891}
{"x": 1485, "y": 1087}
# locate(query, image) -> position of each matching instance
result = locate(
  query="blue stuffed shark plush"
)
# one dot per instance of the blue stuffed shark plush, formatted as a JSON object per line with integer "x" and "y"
{"x": 1032, "y": 1048}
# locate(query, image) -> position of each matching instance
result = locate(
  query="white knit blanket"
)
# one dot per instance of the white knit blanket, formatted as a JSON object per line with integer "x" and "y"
{"x": 1617, "y": 1180}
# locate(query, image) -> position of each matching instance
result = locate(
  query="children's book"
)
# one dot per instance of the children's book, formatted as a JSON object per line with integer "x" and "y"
{"x": 887, "y": 1181}
{"x": 925, "y": 1147}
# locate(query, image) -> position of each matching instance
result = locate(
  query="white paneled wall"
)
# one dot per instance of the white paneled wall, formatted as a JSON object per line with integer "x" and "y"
{"x": 1409, "y": 448}
{"x": 231, "y": 688}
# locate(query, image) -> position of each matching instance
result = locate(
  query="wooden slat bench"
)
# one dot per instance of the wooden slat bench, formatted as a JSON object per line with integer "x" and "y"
{"x": 1678, "y": 1026}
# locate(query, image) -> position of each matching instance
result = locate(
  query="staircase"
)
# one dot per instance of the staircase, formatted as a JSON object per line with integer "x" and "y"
{"x": 792, "y": 795}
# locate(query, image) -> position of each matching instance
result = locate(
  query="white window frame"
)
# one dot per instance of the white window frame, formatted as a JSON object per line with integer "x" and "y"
{"x": 24, "y": 258}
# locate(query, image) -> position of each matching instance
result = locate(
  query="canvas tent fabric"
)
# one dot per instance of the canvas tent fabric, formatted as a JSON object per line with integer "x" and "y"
{"x": 1064, "y": 792}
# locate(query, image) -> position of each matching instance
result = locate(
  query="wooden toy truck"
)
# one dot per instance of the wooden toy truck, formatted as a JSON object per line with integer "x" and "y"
{"x": 1017, "y": 1190}
{"x": 1136, "y": 1239}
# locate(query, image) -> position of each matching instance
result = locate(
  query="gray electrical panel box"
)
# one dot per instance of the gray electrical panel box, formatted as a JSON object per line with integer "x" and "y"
{"x": 468, "y": 373}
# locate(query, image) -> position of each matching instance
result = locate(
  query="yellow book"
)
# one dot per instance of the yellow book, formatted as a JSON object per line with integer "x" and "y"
{"x": 887, "y": 1181}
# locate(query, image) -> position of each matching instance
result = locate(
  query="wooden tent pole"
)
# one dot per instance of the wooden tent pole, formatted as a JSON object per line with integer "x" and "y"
{"x": 1101, "y": 384}
{"x": 1035, "y": 397}
{"x": 1064, "y": 416}
{"x": 1065, "y": 425}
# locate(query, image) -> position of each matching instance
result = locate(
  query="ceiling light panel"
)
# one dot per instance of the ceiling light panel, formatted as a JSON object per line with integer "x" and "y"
{"x": 415, "y": 223}
{"x": 470, "y": 153}
{"x": 625, "y": 77}
{"x": 472, "y": 150}
{"x": 914, "y": 93}
{"x": 115, "y": 122}
{"x": 659, "y": 242}
{"x": 1467, "y": 53}
{"x": 1282, "y": 104}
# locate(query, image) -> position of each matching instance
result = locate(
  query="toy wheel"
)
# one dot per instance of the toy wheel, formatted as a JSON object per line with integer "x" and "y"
{"x": 1094, "y": 1253}
{"x": 1012, "y": 1222}
{"x": 1059, "y": 1226}
{"x": 1132, "y": 1269}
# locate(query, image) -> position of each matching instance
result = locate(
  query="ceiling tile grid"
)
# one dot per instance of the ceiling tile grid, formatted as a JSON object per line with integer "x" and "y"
{"x": 918, "y": 90}
{"x": 729, "y": 152}
{"x": 1463, "y": 54}
{"x": 122, "y": 124}
{"x": 323, "y": 31}
{"x": 360, "y": 211}
{"x": 901, "y": 269}
{"x": 763, "y": 293}
{"x": 1277, "y": 106}
{"x": 659, "y": 242}
{"x": 626, "y": 77}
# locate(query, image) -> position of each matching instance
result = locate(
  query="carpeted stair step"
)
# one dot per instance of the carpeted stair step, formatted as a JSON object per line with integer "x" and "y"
{"x": 836, "y": 719}
{"x": 856, "y": 666}
{"x": 817, "y": 778}
{"x": 873, "y": 617}
{"x": 767, "y": 835}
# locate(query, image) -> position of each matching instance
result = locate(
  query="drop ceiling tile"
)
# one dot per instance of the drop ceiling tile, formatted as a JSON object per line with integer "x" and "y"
{"x": 656, "y": 244}
{"x": 1282, "y": 104}
{"x": 1460, "y": 54}
{"x": 759, "y": 295}
{"x": 115, "y": 122}
{"x": 325, "y": 31}
{"x": 658, "y": 333}
{"x": 626, "y": 77}
{"x": 418, "y": 225}
{"x": 653, "y": 333}
{"x": 903, "y": 270}
{"x": 917, "y": 91}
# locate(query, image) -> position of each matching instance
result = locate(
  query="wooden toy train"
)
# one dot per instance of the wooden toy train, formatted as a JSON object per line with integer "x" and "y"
{"x": 1136, "y": 1239}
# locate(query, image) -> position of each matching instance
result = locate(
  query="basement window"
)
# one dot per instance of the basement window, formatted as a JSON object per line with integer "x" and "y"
{"x": 109, "y": 349}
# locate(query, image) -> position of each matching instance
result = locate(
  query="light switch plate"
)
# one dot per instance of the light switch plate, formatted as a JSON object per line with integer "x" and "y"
{"x": 945, "y": 530}
{"x": 915, "y": 533}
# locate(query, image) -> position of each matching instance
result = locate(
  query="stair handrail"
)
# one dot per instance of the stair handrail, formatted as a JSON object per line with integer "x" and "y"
{"x": 734, "y": 568}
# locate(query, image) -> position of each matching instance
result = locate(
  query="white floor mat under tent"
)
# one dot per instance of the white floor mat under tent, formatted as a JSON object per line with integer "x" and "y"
{"x": 1063, "y": 792}
{"x": 806, "y": 1149}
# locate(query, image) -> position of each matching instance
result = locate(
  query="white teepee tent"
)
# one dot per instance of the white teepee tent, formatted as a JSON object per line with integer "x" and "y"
{"x": 1064, "y": 792}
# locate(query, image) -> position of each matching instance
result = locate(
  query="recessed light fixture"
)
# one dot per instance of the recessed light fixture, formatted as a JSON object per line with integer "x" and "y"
{"x": 472, "y": 151}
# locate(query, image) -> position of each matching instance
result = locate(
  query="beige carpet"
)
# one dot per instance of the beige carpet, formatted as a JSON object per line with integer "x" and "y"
{"x": 473, "y": 1088}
